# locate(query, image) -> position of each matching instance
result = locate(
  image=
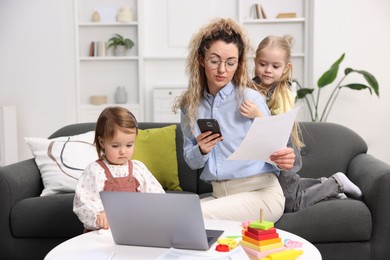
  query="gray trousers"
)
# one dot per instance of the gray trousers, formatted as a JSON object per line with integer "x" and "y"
{"x": 301, "y": 193}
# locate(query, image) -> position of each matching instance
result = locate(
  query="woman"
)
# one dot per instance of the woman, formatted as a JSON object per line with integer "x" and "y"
{"x": 218, "y": 84}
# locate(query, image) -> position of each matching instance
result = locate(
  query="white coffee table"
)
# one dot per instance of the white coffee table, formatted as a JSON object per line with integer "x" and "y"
{"x": 100, "y": 245}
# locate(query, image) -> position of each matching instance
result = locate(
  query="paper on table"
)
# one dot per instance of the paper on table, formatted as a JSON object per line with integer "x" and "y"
{"x": 237, "y": 253}
{"x": 266, "y": 136}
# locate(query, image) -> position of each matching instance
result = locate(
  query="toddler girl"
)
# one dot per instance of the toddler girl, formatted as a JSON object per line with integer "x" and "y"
{"x": 115, "y": 134}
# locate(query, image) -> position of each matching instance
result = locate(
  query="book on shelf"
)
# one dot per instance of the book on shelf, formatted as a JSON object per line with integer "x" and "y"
{"x": 92, "y": 49}
{"x": 97, "y": 49}
{"x": 263, "y": 15}
{"x": 286, "y": 15}
{"x": 259, "y": 12}
{"x": 101, "y": 49}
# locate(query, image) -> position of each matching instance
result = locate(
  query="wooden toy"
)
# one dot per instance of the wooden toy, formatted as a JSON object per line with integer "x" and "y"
{"x": 262, "y": 240}
{"x": 261, "y": 237}
{"x": 290, "y": 254}
{"x": 261, "y": 224}
{"x": 230, "y": 242}
{"x": 261, "y": 232}
{"x": 261, "y": 248}
{"x": 260, "y": 255}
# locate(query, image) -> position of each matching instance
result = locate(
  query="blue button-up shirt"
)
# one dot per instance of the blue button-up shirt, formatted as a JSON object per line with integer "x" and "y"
{"x": 224, "y": 107}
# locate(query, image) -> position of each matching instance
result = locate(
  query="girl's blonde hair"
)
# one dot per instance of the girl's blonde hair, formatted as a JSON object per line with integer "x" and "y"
{"x": 220, "y": 29}
{"x": 110, "y": 120}
{"x": 282, "y": 86}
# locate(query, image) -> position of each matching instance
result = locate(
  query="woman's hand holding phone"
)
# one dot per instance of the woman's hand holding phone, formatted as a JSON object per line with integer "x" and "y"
{"x": 207, "y": 141}
{"x": 210, "y": 135}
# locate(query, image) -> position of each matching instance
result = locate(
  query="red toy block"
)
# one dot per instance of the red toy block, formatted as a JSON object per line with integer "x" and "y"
{"x": 261, "y": 232}
{"x": 261, "y": 236}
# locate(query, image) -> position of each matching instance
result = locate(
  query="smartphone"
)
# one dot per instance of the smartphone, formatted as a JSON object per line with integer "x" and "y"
{"x": 209, "y": 125}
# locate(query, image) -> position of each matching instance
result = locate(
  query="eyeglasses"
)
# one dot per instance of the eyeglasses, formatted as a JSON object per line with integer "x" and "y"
{"x": 215, "y": 63}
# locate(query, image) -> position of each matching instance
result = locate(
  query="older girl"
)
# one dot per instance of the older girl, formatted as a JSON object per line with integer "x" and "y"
{"x": 273, "y": 70}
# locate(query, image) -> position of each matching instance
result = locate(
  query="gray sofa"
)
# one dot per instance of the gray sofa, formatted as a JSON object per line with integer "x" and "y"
{"x": 30, "y": 225}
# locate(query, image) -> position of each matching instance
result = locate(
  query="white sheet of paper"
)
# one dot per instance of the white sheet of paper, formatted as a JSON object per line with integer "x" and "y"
{"x": 266, "y": 136}
{"x": 237, "y": 253}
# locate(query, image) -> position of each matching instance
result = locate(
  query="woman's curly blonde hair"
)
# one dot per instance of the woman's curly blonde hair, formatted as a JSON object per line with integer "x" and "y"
{"x": 220, "y": 29}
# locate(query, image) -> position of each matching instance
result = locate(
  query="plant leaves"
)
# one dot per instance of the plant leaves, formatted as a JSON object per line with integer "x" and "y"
{"x": 348, "y": 70}
{"x": 330, "y": 75}
{"x": 118, "y": 39}
{"x": 357, "y": 86}
{"x": 301, "y": 93}
{"x": 371, "y": 80}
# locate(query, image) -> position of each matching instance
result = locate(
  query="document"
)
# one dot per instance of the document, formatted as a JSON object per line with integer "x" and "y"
{"x": 266, "y": 135}
{"x": 237, "y": 253}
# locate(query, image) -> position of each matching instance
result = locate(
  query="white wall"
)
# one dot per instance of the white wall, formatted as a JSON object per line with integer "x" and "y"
{"x": 359, "y": 28}
{"x": 37, "y": 66}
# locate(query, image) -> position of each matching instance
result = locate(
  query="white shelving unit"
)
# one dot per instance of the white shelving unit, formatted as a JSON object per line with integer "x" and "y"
{"x": 161, "y": 31}
{"x": 298, "y": 28}
{"x": 101, "y": 75}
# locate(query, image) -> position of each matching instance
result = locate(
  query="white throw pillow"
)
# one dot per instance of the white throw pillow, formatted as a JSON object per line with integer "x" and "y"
{"x": 62, "y": 160}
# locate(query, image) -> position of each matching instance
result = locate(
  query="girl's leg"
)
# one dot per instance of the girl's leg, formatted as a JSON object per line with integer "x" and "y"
{"x": 290, "y": 185}
{"x": 319, "y": 191}
{"x": 305, "y": 183}
{"x": 347, "y": 186}
{"x": 242, "y": 199}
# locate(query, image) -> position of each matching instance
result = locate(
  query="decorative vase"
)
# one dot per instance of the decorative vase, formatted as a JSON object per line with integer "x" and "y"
{"x": 120, "y": 95}
{"x": 95, "y": 17}
{"x": 125, "y": 15}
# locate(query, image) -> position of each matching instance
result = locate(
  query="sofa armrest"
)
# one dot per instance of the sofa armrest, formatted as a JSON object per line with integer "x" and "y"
{"x": 19, "y": 181}
{"x": 373, "y": 178}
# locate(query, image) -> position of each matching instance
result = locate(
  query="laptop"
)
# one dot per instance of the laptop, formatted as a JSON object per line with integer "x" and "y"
{"x": 157, "y": 220}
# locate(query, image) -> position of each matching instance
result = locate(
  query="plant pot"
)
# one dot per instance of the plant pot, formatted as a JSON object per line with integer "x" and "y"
{"x": 120, "y": 50}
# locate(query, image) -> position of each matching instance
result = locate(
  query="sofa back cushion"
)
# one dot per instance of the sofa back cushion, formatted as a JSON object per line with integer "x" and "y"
{"x": 188, "y": 179}
{"x": 156, "y": 148}
{"x": 329, "y": 148}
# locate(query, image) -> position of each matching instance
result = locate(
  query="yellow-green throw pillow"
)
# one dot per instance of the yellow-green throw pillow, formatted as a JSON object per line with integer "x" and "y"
{"x": 156, "y": 148}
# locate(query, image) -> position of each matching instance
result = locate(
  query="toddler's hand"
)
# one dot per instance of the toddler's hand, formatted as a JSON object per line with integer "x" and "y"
{"x": 248, "y": 109}
{"x": 102, "y": 221}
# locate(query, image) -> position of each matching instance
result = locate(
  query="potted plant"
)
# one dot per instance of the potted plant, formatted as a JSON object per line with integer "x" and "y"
{"x": 327, "y": 78}
{"x": 120, "y": 44}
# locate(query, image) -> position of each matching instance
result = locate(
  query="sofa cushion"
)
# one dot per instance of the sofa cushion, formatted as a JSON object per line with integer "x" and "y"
{"x": 329, "y": 149}
{"x": 330, "y": 221}
{"x": 188, "y": 178}
{"x": 44, "y": 217}
{"x": 62, "y": 160}
{"x": 156, "y": 148}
